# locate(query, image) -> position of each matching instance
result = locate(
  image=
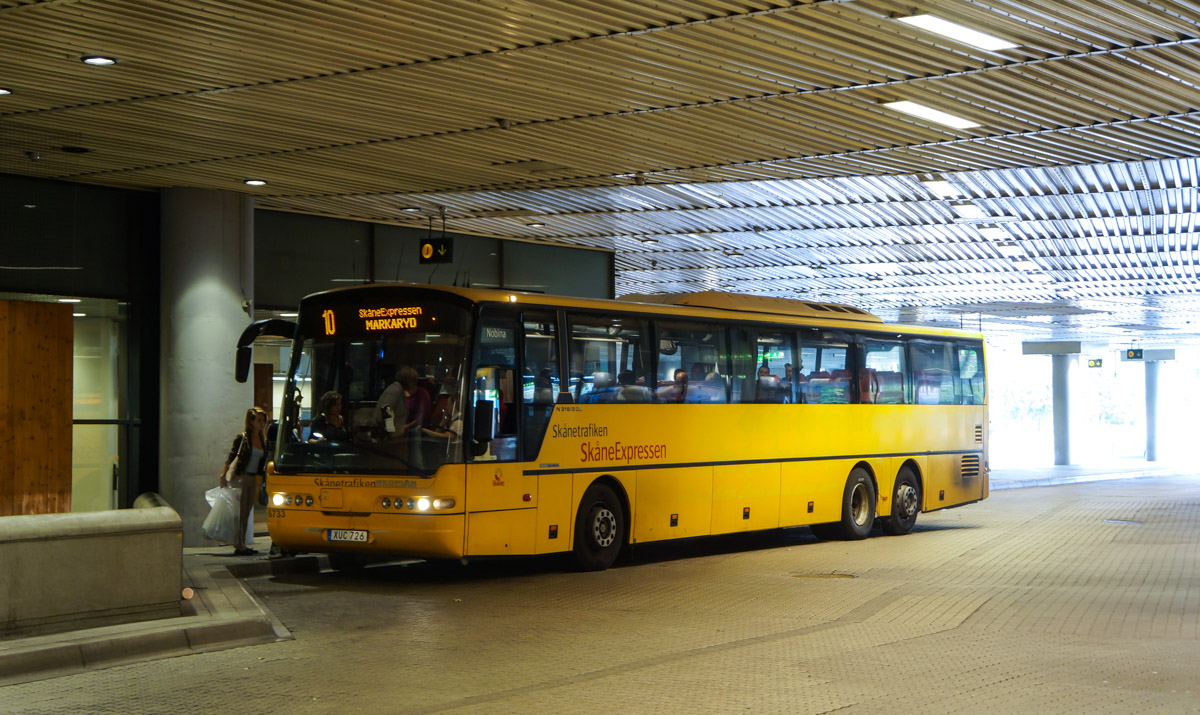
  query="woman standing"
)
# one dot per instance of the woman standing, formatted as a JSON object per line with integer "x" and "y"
{"x": 249, "y": 457}
{"x": 417, "y": 401}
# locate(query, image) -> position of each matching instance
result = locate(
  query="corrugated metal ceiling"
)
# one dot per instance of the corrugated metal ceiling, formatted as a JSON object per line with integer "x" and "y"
{"x": 737, "y": 145}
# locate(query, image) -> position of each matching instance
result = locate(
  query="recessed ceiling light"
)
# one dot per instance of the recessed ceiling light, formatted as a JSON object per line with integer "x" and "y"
{"x": 68, "y": 300}
{"x": 933, "y": 115}
{"x": 5, "y": 90}
{"x": 1010, "y": 250}
{"x": 98, "y": 60}
{"x": 254, "y": 182}
{"x": 288, "y": 315}
{"x": 968, "y": 210}
{"x": 960, "y": 33}
{"x": 79, "y": 315}
{"x": 535, "y": 224}
{"x": 994, "y": 233}
{"x": 942, "y": 188}
{"x": 410, "y": 209}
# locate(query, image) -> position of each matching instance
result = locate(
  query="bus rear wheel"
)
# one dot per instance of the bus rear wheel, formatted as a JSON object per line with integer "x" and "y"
{"x": 906, "y": 503}
{"x": 599, "y": 529}
{"x": 858, "y": 510}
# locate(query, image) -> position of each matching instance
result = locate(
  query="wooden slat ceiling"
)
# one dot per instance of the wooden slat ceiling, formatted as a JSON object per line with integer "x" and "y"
{"x": 711, "y": 144}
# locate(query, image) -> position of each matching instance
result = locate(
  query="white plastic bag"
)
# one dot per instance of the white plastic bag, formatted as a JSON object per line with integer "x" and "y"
{"x": 221, "y": 522}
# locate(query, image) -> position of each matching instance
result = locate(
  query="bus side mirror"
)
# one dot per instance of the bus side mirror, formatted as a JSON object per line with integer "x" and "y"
{"x": 244, "y": 354}
{"x": 485, "y": 425}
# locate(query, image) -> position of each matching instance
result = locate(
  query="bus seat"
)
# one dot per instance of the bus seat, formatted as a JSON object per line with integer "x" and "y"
{"x": 868, "y": 386}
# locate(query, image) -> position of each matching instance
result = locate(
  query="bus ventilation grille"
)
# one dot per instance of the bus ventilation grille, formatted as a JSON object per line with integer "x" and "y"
{"x": 978, "y": 434}
{"x": 970, "y": 465}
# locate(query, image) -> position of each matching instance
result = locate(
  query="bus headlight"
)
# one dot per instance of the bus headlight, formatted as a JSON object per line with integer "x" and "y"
{"x": 387, "y": 503}
{"x": 423, "y": 504}
{"x": 277, "y": 499}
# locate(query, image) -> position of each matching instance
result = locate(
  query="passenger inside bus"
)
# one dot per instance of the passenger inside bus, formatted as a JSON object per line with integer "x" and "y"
{"x": 675, "y": 391}
{"x": 391, "y": 409}
{"x": 630, "y": 391}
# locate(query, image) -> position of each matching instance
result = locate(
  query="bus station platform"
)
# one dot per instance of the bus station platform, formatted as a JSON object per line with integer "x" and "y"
{"x": 533, "y": 613}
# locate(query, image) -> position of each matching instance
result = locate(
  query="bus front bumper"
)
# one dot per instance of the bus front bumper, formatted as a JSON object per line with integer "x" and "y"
{"x": 419, "y": 535}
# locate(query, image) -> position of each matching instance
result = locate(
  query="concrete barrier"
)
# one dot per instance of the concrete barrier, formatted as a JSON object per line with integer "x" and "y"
{"x": 69, "y": 571}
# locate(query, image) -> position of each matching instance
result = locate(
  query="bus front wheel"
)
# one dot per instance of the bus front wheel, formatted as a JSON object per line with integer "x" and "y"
{"x": 599, "y": 529}
{"x": 906, "y": 504}
{"x": 858, "y": 510}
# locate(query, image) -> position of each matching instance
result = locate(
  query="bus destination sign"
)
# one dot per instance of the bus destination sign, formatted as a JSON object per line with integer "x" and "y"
{"x": 381, "y": 319}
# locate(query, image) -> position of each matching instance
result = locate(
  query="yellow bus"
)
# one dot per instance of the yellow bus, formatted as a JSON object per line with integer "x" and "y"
{"x": 552, "y": 424}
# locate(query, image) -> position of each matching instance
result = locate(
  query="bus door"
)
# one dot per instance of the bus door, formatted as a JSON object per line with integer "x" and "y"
{"x": 501, "y": 502}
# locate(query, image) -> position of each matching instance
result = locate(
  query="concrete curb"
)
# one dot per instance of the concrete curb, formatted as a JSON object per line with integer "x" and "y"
{"x": 227, "y": 615}
{"x": 1083, "y": 478}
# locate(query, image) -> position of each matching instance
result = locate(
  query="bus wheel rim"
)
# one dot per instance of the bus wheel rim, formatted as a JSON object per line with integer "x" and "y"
{"x": 604, "y": 527}
{"x": 859, "y": 509}
{"x": 907, "y": 500}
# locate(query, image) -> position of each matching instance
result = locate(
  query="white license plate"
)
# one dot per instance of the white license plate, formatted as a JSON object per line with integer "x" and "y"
{"x": 347, "y": 535}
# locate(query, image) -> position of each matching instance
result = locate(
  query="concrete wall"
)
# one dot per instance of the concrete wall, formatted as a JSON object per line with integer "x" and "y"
{"x": 69, "y": 571}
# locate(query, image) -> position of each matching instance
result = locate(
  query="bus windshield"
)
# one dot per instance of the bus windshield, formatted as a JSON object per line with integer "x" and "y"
{"x": 374, "y": 389}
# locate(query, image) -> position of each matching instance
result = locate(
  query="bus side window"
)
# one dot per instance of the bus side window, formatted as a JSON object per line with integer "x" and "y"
{"x": 610, "y": 359}
{"x": 933, "y": 372}
{"x": 882, "y": 379}
{"x": 690, "y": 356}
{"x": 972, "y": 386}
{"x": 825, "y": 355}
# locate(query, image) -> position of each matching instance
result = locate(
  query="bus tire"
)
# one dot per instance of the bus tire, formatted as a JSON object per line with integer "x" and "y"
{"x": 599, "y": 529}
{"x": 906, "y": 503}
{"x": 858, "y": 506}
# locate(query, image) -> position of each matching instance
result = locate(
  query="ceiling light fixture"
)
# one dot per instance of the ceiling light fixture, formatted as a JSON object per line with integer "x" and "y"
{"x": 960, "y": 33}
{"x": 98, "y": 60}
{"x": 289, "y": 315}
{"x": 78, "y": 315}
{"x": 1025, "y": 265}
{"x": 536, "y": 224}
{"x": 68, "y": 300}
{"x": 410, "y": 209}
{"x": 994, "y": 233}
{"x": 254, "y": 182}
{"x": 942, "y": 188}
{"x": 5, "y": 90}
{"x": 968, "y": 210}
{"x": 934, "y": 115}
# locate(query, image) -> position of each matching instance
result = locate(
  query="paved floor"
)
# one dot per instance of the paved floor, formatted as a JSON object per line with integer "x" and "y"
{"x": 1082, "y": 598}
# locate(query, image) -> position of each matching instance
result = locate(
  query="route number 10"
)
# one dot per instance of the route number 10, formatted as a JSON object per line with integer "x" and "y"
{"x": 330, "y": 328}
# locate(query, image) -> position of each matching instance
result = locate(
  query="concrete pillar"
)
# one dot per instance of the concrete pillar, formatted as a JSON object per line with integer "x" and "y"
{"x": 207, "y": 294}
{"x": 1062, "y": 407}
{"x": 1152, "y": 411}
